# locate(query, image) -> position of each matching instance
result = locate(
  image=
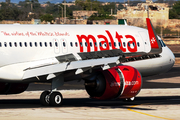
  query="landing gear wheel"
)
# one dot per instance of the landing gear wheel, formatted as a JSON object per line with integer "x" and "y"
{"x": 56, "y": 99}
{"x": 44, "y": 98}
{"x": 129, "y": 99}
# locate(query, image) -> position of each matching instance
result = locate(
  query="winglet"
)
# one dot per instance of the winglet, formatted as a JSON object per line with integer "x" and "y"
{"x": 125, "y": 23}
{"x": 155, "y": 44}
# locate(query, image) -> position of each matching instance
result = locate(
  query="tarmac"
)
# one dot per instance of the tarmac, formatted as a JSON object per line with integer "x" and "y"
{"x": 159, "y": 99}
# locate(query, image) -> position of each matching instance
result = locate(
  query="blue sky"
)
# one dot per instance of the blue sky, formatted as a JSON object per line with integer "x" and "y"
{"x": 60, "y": 1}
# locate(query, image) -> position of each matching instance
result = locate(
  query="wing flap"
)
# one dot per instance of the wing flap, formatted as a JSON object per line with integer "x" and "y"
{"x": 57, "y": 68}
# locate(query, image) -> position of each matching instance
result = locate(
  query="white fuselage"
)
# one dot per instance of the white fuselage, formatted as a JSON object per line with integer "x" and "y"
{"x": 156, "y": 65}
{"x": 30, "y": 46}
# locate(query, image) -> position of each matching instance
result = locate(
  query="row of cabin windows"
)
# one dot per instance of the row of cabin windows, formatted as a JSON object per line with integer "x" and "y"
{"x": 100, "y": 44}
{"x": 21, "y": 44}
{"x": 46, "y": 44}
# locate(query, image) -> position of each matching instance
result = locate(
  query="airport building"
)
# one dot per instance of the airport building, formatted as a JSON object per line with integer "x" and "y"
{"x": 136, "y": 15}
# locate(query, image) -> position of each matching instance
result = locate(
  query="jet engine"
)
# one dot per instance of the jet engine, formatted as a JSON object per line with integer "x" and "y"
{"x": 12, "y": 88}
{"x": 118, "y": 82}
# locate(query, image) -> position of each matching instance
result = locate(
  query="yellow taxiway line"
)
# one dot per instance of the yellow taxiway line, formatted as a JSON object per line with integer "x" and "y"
{"x": 130, "y": 109}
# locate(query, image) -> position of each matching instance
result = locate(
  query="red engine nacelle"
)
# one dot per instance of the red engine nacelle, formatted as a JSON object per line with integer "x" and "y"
{"x": 117, "y": 82}
{"x": 12, "y": 88}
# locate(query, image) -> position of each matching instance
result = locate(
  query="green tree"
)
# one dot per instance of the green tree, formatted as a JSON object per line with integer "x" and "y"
{"x": 89, "y": 5}
{"x": 47, "y": 18}
{"x": 176, "y": 7}
{"x": 96, "y": 16}
{"x": 9, "y": 12}
{"x": 174, "y": 13}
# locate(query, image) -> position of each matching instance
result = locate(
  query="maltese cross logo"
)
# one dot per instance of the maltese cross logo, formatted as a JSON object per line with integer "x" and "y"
{"x": 153, "y": 40}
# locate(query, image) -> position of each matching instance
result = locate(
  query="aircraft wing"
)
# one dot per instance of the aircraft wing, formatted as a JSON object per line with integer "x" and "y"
{"x": 81, "y": 66}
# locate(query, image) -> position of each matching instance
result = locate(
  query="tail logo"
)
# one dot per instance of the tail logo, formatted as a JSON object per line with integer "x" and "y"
{"x": 153, "y": 40}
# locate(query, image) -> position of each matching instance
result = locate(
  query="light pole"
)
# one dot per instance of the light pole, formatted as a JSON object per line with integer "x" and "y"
{"x": 178, "y": 33}
{"x": 162, "y": 21}
{"x": 178, "y": 26}
{"x": 61, "y": 10}
{"x": 64, "y": 11}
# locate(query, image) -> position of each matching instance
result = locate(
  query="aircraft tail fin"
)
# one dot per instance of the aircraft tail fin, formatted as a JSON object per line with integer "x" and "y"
{"x": 155, "y": 43}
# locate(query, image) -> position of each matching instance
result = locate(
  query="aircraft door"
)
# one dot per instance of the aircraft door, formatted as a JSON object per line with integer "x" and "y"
{"x": 145, "y": 39}
{"x": 56, "y": 46}
{"x": 64, "y": 45}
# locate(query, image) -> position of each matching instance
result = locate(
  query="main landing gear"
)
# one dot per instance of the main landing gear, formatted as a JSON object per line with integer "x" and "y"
{"x": 53, "y": 98}
{"x": 129, "y": 99}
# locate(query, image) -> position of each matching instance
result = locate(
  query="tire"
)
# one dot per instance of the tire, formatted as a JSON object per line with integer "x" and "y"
{"x": 44, "y": 98}
{"x": 56, "y": 99}
{"x": 129, "y": 99}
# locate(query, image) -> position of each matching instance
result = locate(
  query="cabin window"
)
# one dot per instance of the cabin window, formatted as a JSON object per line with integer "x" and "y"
{"x": 35, "y": 44}
{"x": 50, "y": 44}
{"x": 81, "y": 44}
{"x": 10, "y": 44}
{"x": 105, "y": 44}
{"x": 85, "y": 44}
{"x": 110, "y": 44}
{"x": 138, "y": 44}
{"x": 71, "y": 44}
{"x": 124, "y": 44}
{"x": 95, "y": 44}
{"x": 76, "y": 44}
{"x": 40, "y": 44}
{"x": 133, "y": 44}
{"x": 119, "y": 44}
{"x": 15, "y": 44}
{"x": 129, "y": 44}
{"x": 64, "y": 44}
{"x": 5, "y": 44}
{"x": 100, "y": 44}
{"x": 56, "y": 44}
{"x": 45, "y": 44}
{"x": 20, "y": 44}
{"x": 0, "y": 44}
{"x": 30, "y": 44}
{"x": 25, "y": 44}
{"x": 114, "y": 44}
{"x": 91, "y": 44}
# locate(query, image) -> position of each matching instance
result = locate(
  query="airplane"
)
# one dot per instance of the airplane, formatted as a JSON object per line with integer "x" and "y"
{"x": 111, "y": 59}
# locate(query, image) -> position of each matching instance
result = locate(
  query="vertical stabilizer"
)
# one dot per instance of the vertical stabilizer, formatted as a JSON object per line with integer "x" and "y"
{"x": 155, "y": 44}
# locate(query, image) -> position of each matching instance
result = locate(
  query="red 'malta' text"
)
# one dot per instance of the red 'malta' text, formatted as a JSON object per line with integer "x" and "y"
{"x": 105, "y": 40}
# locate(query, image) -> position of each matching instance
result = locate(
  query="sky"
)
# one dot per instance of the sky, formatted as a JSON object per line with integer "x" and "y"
{"x": 60, "y": 1}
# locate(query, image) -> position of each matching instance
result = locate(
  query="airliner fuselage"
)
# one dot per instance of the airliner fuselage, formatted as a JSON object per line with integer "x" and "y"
{"x": 26, "y": 46}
